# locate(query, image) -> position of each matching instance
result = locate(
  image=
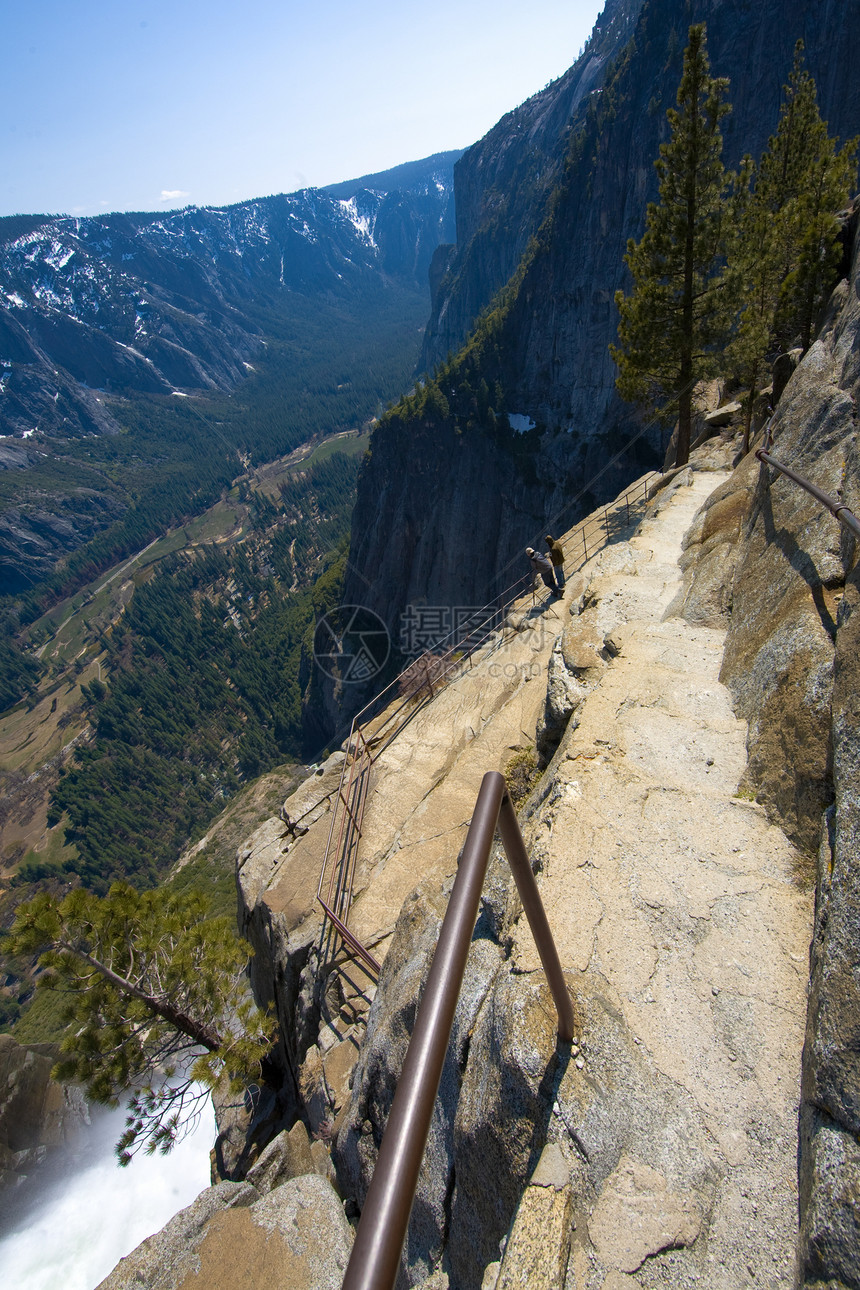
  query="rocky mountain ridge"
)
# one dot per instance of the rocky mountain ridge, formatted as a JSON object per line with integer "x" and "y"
{"x": 129, "y": 342}
{"x": 183, "y": 300}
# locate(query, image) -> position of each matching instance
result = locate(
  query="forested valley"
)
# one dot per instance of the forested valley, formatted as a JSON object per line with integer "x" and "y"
{"x": 230, "y": 534}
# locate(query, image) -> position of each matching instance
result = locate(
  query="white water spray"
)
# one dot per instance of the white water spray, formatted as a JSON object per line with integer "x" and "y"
{"x": 81, "y": 1226}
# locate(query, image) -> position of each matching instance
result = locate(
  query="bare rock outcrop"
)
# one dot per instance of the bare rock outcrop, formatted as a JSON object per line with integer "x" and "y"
{"x": 284, "y": 929}
{"x": 767, "y": 559}
{"x": 375, "y": 1080}
{"x": 232, "y": 1238}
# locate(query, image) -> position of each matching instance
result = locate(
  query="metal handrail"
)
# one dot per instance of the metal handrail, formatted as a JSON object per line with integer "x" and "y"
{"x": 381, "y": 1232}
{"x": 335, "y": 908}
{"x": 516, "y": 589}
{"x": 846, "y": 517}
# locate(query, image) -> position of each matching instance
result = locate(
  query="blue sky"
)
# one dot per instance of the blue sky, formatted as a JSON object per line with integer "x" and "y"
{"x": 152, "y": 104}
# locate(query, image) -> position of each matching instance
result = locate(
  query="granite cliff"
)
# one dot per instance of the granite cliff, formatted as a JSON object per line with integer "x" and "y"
{"x": 545, "y": 204}
{"x": 672, "y": 840}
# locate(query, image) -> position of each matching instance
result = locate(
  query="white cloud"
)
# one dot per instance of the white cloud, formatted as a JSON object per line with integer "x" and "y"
{"x": 173, "y": 195}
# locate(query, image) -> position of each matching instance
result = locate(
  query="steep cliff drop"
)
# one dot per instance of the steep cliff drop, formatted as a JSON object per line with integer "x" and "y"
{"x": 546, "y": 203}
{"x": 661, "y": 1149}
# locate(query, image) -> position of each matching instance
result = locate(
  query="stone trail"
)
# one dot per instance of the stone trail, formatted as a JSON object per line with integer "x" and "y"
{"x": 678, "y": 917}
{"x": 682, "y": 897}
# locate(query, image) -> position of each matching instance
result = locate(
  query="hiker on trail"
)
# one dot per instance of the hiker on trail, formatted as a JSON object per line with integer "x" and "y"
{"x": 543, "y": 567}
{"x": 556, "y": 555}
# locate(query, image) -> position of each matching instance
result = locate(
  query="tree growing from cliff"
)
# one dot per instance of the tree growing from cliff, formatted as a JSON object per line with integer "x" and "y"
{"x": 676, "y": 321}
{"x": 155, "y": 1000}
{"x": 786, "y": 250}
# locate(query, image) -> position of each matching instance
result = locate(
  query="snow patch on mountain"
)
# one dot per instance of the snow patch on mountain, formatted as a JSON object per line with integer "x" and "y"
{"x": 360, "y": 220}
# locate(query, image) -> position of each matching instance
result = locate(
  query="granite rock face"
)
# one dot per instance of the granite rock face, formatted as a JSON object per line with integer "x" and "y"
{"x": 232, "y": 1239}
{"x": 375, "y": 1079}
{"x": 284, "y": 932}
{"x": 830, "y": 1122}
{"x": 502, "y": 183}
{"x": 537, "y": 1248}
{"x": 591, "y": 140}
{"x": 788, "y": 588}
{"x": 38, "y": 1116}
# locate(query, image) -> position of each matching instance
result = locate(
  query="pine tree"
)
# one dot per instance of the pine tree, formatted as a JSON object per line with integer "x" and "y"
{"x": 156, "y": 1001}
{"x": 676, "y": 322}
{"x": 822, "y": 181}
{"x": 786, "y": 252}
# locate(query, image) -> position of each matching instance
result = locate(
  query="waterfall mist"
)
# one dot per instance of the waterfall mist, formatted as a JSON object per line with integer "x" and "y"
{"x": 79, "y": 1226}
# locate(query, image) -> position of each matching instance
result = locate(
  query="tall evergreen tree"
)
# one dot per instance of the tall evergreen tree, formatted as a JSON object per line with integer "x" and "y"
{"x": 676, "y": 321}
{"x": 823, "y": 178}
{"x": 785, "y": 252}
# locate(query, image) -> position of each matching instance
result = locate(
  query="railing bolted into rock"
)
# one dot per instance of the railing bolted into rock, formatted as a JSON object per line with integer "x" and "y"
{"x": 385, "y": 1215}
{"x": 846, "y": 517}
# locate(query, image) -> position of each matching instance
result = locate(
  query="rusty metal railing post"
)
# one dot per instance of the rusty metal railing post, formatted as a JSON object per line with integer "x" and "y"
{"x": 518, "y": 859}
{"x": 381, "y": 1232}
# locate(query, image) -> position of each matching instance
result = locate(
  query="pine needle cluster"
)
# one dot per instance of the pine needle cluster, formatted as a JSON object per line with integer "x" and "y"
{"x": 156, "y": 1003}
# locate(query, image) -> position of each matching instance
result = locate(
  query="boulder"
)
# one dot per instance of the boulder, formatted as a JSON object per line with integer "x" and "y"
{"x": 722, "y": 416}
{"x": 783, "y": 370}
{"x": 287, "y": 1156}
{"x": 163, "y": 1260}
{"x": 230, "y": 1239}
{"x": 580, "y": 650}
{"x": 576, "y": 589}
{"x": 712, "y": 549}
